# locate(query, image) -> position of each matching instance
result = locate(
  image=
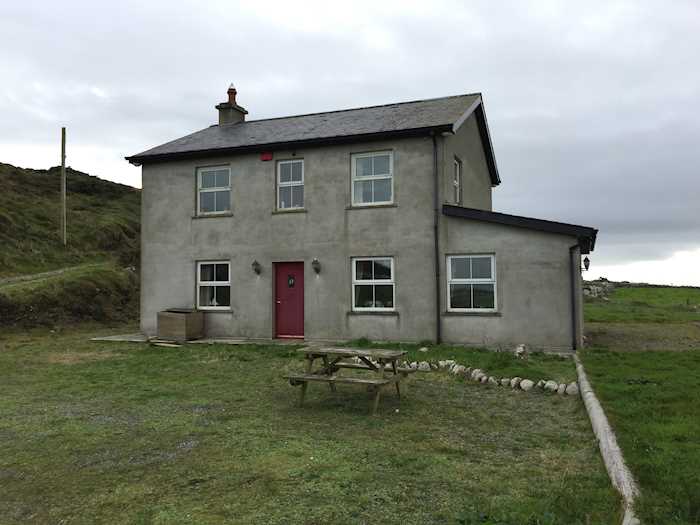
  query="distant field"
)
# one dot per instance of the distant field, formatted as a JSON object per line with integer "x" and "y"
{"x": 646, "y": 305}
{"x": 643, "y": 359}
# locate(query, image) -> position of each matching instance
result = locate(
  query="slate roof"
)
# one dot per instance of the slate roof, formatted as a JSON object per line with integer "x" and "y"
{"x": 405, "y": 118}
{"x": 585, "y": 234}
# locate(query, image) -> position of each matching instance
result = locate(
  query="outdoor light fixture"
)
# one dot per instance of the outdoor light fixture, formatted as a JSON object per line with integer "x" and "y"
{"x": 256, "y": 267}
{"x": 316, "y": 266}
{"x": 586, "y": 263}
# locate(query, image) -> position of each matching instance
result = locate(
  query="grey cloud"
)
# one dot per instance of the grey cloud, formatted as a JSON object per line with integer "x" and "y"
{"x": 593, "y": 107}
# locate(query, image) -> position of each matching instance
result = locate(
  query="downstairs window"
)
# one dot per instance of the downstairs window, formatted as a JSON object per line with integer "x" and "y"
{"x": 213, "y": 285}
{"x": 471, "y": 283}
{"x": 373, "y": 284}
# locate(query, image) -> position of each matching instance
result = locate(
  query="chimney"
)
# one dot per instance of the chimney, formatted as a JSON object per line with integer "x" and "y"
{"x": 230, "y": 112}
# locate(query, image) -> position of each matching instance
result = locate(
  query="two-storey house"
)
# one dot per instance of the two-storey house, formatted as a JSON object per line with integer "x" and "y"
{"x": 371, "y": 222}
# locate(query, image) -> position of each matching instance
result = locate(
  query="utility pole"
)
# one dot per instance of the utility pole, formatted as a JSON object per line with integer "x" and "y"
{"x": 63, "y": 186}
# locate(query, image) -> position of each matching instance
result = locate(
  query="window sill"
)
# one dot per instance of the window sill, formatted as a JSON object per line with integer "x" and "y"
{"x": 217, "y": 311}
{"x": 388, "y": 313}
{"x": 370, "y": 206}
{"x": 212, "y": 216}
{"x": 472, "y": 314}
{"x": 290, "y": 210}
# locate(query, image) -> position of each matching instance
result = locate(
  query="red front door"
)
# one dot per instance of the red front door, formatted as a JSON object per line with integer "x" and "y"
{"x": 289, "y": 299}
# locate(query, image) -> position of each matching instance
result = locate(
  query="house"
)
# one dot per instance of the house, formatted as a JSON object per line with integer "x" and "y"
{"x": 370, "y": 222}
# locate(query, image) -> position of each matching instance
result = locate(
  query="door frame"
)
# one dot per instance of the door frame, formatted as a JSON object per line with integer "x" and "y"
{"x": 275, "y": 266}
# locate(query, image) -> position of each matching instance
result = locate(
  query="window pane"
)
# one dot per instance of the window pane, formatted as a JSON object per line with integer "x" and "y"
{"x": 296, "y": 171}
{"x": 223, "y": 296}
{"x": 363, "y": 166}
{"x": 363, "y": 191}
{"x": 285, "y": 172}
{"x": 483, "y": 295}
{"x": 481, "y": 267}
{"x": 285, "y": 197}
{"x": 298, "y": 196}
{"x": 381, "y": 165}
{"x": 222, "y": 179}
{"x": 460, "y": 268}
{"x": 382, "y": 190}
{"x": 206, "y": 296}
{"x": 382, "y": 269}
{"x": 363, "y": 270}
{"x": 206, "y": 272}
{"x": 363, "y": 296}
{"x": 460, "y": 296}
{"x": 223, "y": 200}
{"x": 206, "y": 201}
{"x": 384, "y": 296}
{"x": 208, "y": 179}
{"x": 222, "y": 272}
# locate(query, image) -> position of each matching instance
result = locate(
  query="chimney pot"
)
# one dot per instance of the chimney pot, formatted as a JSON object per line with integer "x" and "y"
{"x": 231, "y": 94}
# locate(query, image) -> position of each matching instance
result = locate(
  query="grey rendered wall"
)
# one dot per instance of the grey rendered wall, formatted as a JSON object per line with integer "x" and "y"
{"x": 173, "y": 240}
{"x": 466, "y": 144}
{"x": 533, "y": 286}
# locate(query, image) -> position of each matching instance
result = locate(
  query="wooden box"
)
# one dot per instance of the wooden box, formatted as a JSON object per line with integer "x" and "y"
{"x": 180, "y": 324}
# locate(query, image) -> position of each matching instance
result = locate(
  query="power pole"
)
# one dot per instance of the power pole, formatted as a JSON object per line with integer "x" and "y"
{"x": 63, "y": 186}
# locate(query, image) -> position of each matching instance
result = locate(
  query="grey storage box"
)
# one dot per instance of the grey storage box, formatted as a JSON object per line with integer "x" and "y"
{"x": 180, "y": 324}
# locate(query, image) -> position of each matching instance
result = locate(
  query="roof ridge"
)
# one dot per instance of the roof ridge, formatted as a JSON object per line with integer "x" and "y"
{"x": 365, "y": 107}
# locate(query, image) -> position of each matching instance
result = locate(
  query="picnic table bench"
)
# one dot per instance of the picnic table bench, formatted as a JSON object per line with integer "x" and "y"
{"x": 383, "y": 363}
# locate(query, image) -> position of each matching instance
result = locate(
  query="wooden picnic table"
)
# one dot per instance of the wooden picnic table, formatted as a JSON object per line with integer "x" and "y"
{"x": 383, "y": 363}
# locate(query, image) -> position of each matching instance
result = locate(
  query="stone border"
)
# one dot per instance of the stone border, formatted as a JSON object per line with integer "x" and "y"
{"x": 479, "y": 376}
{"x": 619, "y": 474}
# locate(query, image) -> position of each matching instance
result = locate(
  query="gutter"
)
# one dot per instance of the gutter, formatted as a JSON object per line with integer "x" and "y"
{"x": 572, "y": 275}
{"x": 436, "y": 235}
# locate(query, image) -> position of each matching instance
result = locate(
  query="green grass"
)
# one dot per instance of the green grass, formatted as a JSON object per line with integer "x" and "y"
{"x": 537, "y": 366}
{"x": 103, "y": 221}
{"x": 646, "y": 305}
{"x": 129, "y": 433}
{"x": 653, "y": 402}
{"x": 644, "y": 364}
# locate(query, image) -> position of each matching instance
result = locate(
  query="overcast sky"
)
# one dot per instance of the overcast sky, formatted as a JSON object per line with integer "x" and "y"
{"x": 594, "y": 107}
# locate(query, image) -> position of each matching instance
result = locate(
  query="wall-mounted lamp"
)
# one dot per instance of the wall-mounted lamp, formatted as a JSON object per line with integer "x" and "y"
{"x": 256, "y": 267}
{"x": 586, "y": 263}
{"x": 316, "y": 266}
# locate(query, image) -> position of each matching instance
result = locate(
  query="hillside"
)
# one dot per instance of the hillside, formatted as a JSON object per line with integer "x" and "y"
{"x": 95, "y": 276}
{"x": 103, "y": 220}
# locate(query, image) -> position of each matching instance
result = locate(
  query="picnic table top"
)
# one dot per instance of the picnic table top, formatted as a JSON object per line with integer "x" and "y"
{"x": 374, "y": 353}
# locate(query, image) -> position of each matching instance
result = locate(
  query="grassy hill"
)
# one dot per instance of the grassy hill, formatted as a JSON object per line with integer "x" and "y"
{"x": 94, "y": 276}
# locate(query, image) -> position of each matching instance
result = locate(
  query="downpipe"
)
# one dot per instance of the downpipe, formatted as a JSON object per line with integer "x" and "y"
{"x": 436, "y": 232}
{"x": 574, "y": 313}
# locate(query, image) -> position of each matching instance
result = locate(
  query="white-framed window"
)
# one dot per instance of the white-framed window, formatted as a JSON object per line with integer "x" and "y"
{"x": 372, "y": 178}
{"x": 457, "y": 180}
{"x": 373, "y": 283}
{"x": 290, "y": 184}
{"x": 213, "y": 285}
{"x": 213, "y": 190}
{"x": 471, "y": 283}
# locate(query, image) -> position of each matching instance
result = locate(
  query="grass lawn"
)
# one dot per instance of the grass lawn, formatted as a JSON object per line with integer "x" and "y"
{"x": 652, "y": 398}
{"x": 128, "y": 433}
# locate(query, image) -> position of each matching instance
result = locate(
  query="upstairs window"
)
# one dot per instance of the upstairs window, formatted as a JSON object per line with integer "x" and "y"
{"x": 471, "y": 283}
{"x": 372, "y": 178}
{"x": 213, "y": 285}
{"x": 290, "y": 184}
{"x": 373, "y": 283}
{"x": 214, "y": 190}
{"x": 457, "y": 181}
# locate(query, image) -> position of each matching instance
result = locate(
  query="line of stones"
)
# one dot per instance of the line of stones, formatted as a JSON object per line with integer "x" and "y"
{"x": 478, "y": 375}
